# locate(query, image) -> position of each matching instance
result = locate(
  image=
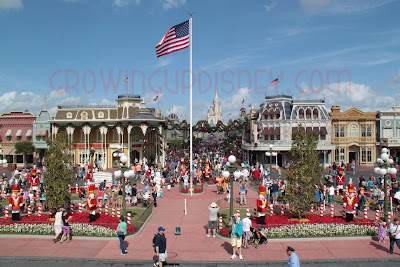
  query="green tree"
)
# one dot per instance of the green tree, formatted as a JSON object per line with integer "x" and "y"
{"x": 59, "y": 172}
{"x": 305, "y": 171}
{"x": 24, "y": 147}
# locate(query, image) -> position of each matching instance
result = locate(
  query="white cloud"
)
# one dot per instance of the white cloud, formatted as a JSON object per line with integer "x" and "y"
{"x": 168, "y": 4}
{"x": 347, "y": 95}
{"x": 396, "y": 80}
{"x": 271, "y": 5}
{"x": 162, "y": 62}
{"x": 125, "y": 3}
{"x": 232, "y": 104}
{"x": 227, "y": 63}
{"x": 341, "y": 7}
{"x": 10, "y": 4}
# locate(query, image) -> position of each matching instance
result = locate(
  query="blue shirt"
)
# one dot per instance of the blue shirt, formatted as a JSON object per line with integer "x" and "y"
{"x": 293, "y": 261}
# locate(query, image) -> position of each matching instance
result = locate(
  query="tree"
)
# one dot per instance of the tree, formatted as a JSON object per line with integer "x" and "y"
{"x": 305, "y": 171}
{"x": 24, "y": 147}
{"x": 59, "y": 172}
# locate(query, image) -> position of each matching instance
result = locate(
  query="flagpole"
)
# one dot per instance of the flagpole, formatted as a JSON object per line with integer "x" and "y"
{"x": 191, "y": 99}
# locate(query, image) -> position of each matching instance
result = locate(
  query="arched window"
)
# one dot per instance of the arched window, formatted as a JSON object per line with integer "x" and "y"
{"x": 315, "y": 113}
{"x": 301, "y": 113}
{"x": 308, "y": 113}
{"x": 353, "y": 130}
{"x": 84, "y": 116}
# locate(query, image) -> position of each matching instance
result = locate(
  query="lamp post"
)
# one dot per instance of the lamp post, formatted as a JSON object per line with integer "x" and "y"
{"x": 122, "y": 173}
{"x": 385, "y": 165}
{"x": 232, "y": 172}
{"x": 2, "y": 160}
{"x": 270, "y": 154}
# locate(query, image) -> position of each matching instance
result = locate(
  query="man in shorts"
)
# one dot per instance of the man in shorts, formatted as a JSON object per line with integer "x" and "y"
{"x": 246, "y": 230}
{"x": 212, "y": 219}
{"x": 160, "y": 243}
{"x": 236, "y": 236}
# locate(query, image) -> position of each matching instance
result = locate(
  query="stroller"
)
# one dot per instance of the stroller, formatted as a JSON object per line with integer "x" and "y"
{"x": 257, "y": 237}
{"x": 145, "y": 197}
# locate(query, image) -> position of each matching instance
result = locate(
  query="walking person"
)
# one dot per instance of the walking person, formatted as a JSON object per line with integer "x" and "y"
{"x": 66, "y": 227}
{"x": 293, "y": 259}
{"x": 121, "y": 232}
{"x": 154, "y": 194}
{"x": 247, "y": 224}
{"x": 394, "y": 235}
{"x": 212, "y": 219}
{"x": 160, "y": 246}
{"x": 243, "y": 188}
{"x": 236, "y": 236}
{"x": 58, "y": 224}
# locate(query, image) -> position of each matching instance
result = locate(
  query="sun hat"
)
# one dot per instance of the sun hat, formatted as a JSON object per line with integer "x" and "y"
{"x": 213, "y": 205}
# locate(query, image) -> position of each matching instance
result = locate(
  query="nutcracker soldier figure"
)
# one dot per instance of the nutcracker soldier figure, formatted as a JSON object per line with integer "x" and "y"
{"x": 91, "y": 205}
{"x": 262, "y": 205}
{"x": 15, "y": 202}
{"x": 350, "y": 203}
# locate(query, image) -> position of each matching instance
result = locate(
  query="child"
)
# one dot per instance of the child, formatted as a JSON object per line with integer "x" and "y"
{"x": 381, "y": 230}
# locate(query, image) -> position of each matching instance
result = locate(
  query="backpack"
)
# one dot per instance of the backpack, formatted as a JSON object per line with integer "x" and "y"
{"x": 28, "y": 200}
{"x": 154, "y": 242}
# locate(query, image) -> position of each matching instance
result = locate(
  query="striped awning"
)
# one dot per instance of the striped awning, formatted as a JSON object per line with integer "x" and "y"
{"x": 19, "y": 132}
{"x": 38, "y": 133}
{"x": 9, "y": 132}
{"x": 29, "y": 133}
{"x": 44, "y": 132}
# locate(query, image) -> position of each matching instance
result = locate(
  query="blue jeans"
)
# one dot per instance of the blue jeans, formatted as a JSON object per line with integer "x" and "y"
{"x": 331, "y": 197}
{"x": 392, "y": 241}
{"x": 122, "y": 243}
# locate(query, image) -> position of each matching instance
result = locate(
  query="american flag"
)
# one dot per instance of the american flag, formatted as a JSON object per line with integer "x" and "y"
{"x": 276, "y": 81}
{"x": 126, "y": 79}
{"x": 155, "y": 99}
{"x": 177, "y": 38}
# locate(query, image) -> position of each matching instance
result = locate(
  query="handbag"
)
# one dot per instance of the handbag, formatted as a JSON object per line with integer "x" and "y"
{"x": 391, "y": 236}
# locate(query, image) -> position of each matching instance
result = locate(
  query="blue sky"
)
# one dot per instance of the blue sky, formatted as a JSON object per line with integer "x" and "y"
{"x": 238, "y": 48}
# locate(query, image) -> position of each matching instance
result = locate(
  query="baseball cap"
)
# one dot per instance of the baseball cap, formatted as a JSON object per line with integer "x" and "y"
{"x": 161, "y": 228}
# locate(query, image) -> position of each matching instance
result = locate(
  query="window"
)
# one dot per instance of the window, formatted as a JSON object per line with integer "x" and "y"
{"x": 266, "y": 117}
{"x": 8, "y": 138}
{"x": 84, "y": 116}
{"x": 363, "y": 155}
{"x": 322, "y": 137}
{"x": 353, "y": 130}
{"x": 98, "y": 135}
{"x": 336, "y": 155}
{"x": 315, "y": 114}
{"x": 29, "y": 158}
{"x": 363, "y": 132}
{"x": 272, "y": 137}
{"x": 19, "y": 158}
{"x": 336, "y": 131}
{"x": 342, "y": 154}
{"x": 277, "y": 115}
{"x": 369, "y": 131}
{"x": 38, "y": 138}
{"x": 44, "y": 138}
{"x": 69, "y": 115}
{"x": 29, "y": 138}
{"x": 265, "y": 137}
{"x": 278, "y": 137}
{"x": 342, "y": 133}
{"x": 301, "y": 113}
{"x": 82, "y": 137}
{"x": 19, "y": 138}
{"x": 308, "y": 114}
{"x": 369, "y": 155}
{"x": 115, "y": 135}
{"x": 82, "y": 157}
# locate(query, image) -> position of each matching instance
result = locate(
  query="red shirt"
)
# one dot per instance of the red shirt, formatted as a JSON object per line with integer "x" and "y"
{"x": 256, "y": 174}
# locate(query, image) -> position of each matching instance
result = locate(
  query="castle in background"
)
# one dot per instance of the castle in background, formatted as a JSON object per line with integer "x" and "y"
{"x": 214, "y": 111}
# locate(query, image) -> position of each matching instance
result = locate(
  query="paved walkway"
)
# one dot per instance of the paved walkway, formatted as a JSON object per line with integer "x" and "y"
{"x": 192, "y": 245}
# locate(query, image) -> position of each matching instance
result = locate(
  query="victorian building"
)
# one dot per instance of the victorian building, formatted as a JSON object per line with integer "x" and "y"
{"x": 41, "y": 131}
{"x": 272, "y": 124}
{"x": 354, "y": 136}
{"x": 16, "y": 126}
{"x": 388, "y": 127}
{"x": 104, "y": 128}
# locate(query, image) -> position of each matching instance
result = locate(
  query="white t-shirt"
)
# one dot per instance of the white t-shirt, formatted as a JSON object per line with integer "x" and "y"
{"x": 246, "y": 224}
{"x": 331, "y": 191}
{"x": 392, "y": 229}
{"x": 58, "y": 218}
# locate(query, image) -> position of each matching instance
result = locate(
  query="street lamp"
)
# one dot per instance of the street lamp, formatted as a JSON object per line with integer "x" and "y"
{"x": 2, "y": 161}
{"x": 122, "y": 173}
{"x": 232, "y": 172}
{"x": 385, "y": 165}
{"x": 270, "y": 154}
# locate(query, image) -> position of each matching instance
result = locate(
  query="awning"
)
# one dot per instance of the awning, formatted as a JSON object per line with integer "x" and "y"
{"x": 29, "y": 133}
{"x": 264, "y": 132}
{"x": 9, "y": 132}
{"x": 271, "y": 111}
{"x": 294, "y": 129}
{"x": 316, "y": 130}
{"x": 323, "y": 131}
{"x": 308, "y": 130}
{"x": 277, "y": 131}
{"x": 277, "y": 111}
{"x": 44, "y": 132}
{"x": 38, "y": 133}
{"x": 265, "y": 112}
{"x": 19, "y": 132}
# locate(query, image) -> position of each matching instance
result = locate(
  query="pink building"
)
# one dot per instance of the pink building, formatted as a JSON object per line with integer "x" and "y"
{"x": 15, "y": 126}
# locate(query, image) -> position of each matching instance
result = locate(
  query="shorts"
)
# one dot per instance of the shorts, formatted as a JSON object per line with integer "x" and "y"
{"x": 212, "y": 225}
{"x": 380, "y": 202}
{"x": 236, "y": 242}
{"x": 162, "y": 256}
{"x": 246, "y": 235}
{"x": 134, "y": 199}
{"x": 66, "y": 229}
{"x": 58, "y": 229}
{"x": 275, "y": 194}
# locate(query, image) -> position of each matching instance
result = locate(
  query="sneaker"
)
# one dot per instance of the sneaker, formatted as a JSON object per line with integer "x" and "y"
{"x": 240, "y": 257}
{"x": 214, "y": 236}
{"x": 233, "y": 256}
{"x": 123, "y": 253}
{"x": 155, "y": 264}
{"x": 126, "y": 251}
{"x": 390, "y": 253}
{"x": 207, "y": 235}
{"x": 246, "y": 247}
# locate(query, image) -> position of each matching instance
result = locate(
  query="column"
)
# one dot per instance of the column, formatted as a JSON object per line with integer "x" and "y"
{"x": 129, "y": 129}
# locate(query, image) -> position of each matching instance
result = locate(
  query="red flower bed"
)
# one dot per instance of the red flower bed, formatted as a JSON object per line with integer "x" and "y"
{"x": 224, "y": 232}
{"x": 280, "y": 220}
{"x": 196, "y": 191}
{"x": 103, "y": 219}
